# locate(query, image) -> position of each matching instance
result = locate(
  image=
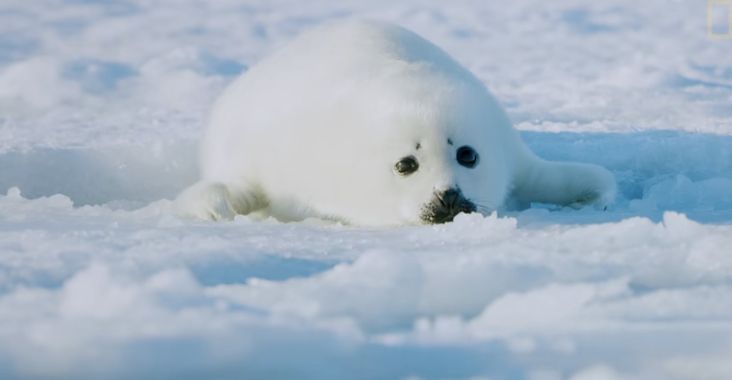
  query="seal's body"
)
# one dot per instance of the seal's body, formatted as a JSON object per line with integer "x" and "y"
{"x": 368, "y": 123}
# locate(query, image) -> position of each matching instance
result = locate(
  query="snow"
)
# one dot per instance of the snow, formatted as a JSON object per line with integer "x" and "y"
{"x": 101, "y": 104}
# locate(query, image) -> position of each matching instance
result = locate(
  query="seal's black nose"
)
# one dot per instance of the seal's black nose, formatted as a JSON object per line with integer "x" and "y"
{"x": 449, "y": 198}
{"x": 445, "y": 205}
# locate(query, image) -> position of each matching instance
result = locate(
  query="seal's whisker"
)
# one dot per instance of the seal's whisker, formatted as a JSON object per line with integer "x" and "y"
{"x": 484, "y": 209}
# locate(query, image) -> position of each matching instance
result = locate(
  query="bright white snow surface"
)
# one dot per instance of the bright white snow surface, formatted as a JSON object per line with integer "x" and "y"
{"x": 101, "y": 103}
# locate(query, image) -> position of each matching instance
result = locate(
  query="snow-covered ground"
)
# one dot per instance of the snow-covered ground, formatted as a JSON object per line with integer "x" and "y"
{"x": 101, "y": 104}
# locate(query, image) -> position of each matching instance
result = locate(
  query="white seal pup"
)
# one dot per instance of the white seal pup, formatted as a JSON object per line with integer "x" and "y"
{"x": 367, "y": 123}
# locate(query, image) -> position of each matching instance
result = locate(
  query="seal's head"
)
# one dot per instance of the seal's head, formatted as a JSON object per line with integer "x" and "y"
{"x": 445, "y": 203}
{"x": 438, "y": 179}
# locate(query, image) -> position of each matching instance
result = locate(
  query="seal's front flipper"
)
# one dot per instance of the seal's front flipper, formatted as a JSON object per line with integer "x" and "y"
{"x": 217, "y": 201}
{"x": 565, "y": 183}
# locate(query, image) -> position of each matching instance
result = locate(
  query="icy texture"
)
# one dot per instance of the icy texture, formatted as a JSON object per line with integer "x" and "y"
{"x": 101, "y": 103}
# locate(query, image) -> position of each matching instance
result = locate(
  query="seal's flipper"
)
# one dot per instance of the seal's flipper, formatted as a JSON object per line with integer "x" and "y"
{"x": 564, "y": 183}
{"x": 217, "y": 201}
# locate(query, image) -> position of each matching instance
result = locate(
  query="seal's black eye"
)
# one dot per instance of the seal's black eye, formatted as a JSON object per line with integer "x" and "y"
{"x": 407, "y": 165}
{"x": 467, "y": 156}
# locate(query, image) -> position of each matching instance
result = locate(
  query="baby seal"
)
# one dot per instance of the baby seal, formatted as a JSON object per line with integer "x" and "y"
{"x": 368, "y": 123}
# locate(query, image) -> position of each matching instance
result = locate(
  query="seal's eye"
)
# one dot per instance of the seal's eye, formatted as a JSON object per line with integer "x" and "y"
{"x": 467, "y": 156}
{"x": 407, "y": 165}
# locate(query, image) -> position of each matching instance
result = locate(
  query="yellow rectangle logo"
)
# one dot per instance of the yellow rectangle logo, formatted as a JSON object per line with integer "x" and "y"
{"x": 719, "y": 19}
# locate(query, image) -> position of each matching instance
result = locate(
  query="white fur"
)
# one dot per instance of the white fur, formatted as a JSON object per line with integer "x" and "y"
{"x": 316, "y": 129}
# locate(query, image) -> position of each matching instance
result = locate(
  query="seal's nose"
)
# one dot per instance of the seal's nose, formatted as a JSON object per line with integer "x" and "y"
{"x": 450, "y": 198}
{"x": 446, "y": 205}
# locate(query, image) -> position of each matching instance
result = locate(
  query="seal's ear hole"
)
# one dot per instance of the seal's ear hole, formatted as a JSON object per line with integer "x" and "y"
{"x": 417, "y": 146}
{"x": 467, "y": 156}
{"x": 449, "y": 141}
{"x": 406, "y": 165}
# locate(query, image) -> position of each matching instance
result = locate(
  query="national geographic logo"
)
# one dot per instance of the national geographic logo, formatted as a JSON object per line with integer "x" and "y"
{"x": 719, "y": 19}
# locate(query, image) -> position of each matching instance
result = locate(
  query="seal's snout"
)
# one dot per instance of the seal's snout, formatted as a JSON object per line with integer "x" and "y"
{"x": 450, "y": 198}
{"x": 446, "y": 205}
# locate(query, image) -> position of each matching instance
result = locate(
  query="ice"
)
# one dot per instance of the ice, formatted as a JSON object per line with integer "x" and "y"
{"x": 101, "y": 105}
